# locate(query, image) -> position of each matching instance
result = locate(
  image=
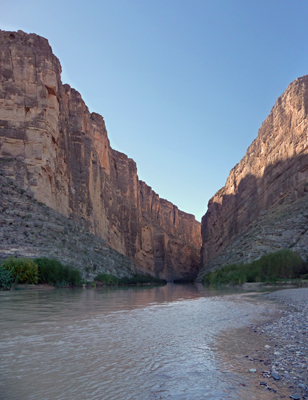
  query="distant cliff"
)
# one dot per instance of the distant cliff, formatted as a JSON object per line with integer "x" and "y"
{"x": 263, "y": 207}
{"x": 53, "y": 147}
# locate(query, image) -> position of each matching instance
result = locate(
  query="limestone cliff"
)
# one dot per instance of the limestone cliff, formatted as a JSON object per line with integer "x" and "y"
{"x": 53, "y": 147}
{"x": 253, "y": 213}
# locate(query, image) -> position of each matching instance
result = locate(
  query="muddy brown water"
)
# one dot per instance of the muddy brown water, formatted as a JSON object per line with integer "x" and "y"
{"x": 170, "y": 342}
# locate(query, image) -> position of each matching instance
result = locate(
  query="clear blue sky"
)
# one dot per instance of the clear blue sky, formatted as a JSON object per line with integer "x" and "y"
{"x": 183, "y": 85}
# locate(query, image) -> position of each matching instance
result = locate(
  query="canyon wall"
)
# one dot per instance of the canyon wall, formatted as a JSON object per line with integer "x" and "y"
{"x": 53, "y": 147}
{"x": 262, "y": 207}
{"x": 28, "y": 228}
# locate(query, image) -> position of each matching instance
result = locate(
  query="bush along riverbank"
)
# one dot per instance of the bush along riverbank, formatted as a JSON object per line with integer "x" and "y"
{"x": 280, "y": 266}
{"x": 137, "y": 279}
{"x": 15, "y": 271}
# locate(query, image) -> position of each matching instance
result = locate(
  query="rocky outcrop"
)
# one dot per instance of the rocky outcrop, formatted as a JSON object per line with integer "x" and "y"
{"x": 250, "y": 215}
{"x": 53, "y": 147}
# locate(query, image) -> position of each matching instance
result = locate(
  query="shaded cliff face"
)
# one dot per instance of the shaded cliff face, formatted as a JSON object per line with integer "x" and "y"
{"x": 29, "y": 228}
{"x": 51, "y": 145}
{"x": 274, "y": 172}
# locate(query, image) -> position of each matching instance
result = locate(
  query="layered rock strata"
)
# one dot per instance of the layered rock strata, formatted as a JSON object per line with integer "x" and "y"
{"x": 53, "y": 147}
{"x": 253, "y": 213}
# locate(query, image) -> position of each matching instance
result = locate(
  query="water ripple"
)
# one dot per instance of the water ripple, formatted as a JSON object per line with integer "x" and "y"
{"x": 143, "y": 344}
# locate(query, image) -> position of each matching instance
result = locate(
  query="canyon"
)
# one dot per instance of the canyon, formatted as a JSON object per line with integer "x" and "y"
{"x": 263, "y": 206}
{"x": 65, "y": 193}
{"x": 52, "y": 147}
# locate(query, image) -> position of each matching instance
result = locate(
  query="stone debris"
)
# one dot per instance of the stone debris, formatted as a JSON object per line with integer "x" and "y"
{"x": 28, "y": 228}
{"x": 275, "y": 376}
{"x": 285, "y": 359}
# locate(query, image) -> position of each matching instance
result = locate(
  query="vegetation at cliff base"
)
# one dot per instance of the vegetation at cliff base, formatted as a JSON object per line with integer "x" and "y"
{"x": 24, "y": 270}
{"x": 137, "y": 279}
{"x": 40, "y": 270}
{"x": 6, "y": 279}
{"x": 107, "y": 279}
{"x": 280, "y": 265}
{"x": 141, "y": 279}
{"x": 53, "y": 272}
{"x": 44, "y": 270}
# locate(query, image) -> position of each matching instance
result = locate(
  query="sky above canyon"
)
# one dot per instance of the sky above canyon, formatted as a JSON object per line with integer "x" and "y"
{"x": 183, "y": 85}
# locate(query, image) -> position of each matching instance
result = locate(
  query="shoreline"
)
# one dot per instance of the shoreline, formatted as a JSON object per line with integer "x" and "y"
{"x": 282, "y": 364}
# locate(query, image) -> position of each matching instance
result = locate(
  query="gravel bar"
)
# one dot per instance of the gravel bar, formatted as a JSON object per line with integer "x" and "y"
{"x": 285, "y": 356}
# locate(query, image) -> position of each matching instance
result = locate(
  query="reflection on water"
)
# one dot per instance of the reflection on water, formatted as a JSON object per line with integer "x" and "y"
{"x": 138, "y": 343}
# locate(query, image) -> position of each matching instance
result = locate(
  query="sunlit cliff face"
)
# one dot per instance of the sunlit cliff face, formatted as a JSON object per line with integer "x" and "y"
{"x": 51, "y": 145}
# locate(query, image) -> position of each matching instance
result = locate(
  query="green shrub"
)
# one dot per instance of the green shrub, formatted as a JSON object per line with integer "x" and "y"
{"x": 6, "y": 279}
{"x": 24, "y": 270}
{"x": 228, "y": 274}
{"x": 207, "y": 278}
{"x": 107, "y": 279}
{"x": 141, "y": 279}
{"x": 282, "y": 264}
{"x": 51, "y": 271}
{"x": 75, "y": 277}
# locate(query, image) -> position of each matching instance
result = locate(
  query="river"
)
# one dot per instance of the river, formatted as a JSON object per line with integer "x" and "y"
{"x": 170, "y": 342}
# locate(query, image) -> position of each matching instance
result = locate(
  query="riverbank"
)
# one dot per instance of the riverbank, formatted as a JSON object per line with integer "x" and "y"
{"x": 281, "y": 366}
